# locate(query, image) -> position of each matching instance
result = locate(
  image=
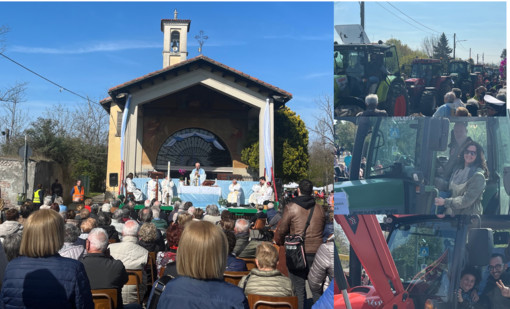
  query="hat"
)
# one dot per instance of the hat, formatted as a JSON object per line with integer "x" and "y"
{"x": 106, "y": 207}
{"x": 492, "y": 100}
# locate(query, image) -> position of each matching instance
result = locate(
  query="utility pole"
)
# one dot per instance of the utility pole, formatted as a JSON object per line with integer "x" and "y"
{"x": 483, "y": 58}
{"x": 476, "y": 58}
{"x": 362, "y": 14}
{"x": 469, "y": 53}
{"x": 454, "y": 44}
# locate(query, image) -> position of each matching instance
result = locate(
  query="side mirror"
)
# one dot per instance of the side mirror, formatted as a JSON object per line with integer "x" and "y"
{"x": 506, "y": 179}
{"x": 480, "y": 246}
{"x": 438, "y": 131}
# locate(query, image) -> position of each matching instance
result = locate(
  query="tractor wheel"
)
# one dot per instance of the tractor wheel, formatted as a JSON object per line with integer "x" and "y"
{"x": 428, "y": 103}
{"x": 397, "y": 102}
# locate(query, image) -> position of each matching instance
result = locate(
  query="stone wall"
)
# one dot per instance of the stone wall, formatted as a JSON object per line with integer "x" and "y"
{"x": 39, "y": 172}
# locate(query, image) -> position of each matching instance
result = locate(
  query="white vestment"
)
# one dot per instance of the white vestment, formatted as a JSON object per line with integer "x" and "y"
{"x": 151, "y": 190}
{"x": 265, "y": 195}
{"x": 131, "y": 187}
{"x": 193, "y": 180}
{"x": 255, "y": 195}
{"x": 235, "y": 194}
{"x": 167, "y": 191}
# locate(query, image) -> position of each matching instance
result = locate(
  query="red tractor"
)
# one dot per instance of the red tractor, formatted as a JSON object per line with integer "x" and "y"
{"x": 427, "y": 87}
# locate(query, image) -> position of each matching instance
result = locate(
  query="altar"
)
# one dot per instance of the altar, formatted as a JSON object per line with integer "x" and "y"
{"x": 200, "y": 196}
{"x": 203, "y": 195}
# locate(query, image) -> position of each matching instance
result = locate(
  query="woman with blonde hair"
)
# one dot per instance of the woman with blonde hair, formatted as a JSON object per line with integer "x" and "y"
{"x": 201, "y": 261}
{"x": 40, "y": 277}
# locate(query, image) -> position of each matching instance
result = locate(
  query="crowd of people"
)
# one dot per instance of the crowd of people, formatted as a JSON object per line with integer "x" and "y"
{"x": 53, "y": 256}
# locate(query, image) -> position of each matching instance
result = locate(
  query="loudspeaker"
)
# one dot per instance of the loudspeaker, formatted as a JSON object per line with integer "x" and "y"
{"x": 114, "y": 179}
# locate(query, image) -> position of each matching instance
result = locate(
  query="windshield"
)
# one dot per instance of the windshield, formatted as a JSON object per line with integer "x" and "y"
{"x": 457, "y": 67}
{"x": 390, "y": 145}
{"x": 349, "y": 62}
{"x": 391, "y": 60}
{"x": 423, "y": 253}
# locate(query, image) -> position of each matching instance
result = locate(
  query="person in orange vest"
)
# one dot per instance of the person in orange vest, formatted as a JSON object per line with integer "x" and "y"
{"x": 38, "y": 196}
{"x": 78, "y": 192}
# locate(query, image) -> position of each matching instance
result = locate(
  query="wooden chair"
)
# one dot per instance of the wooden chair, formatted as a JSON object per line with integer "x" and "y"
{"x": 161, "y": 271}
{"x": 272, "y": 302}
{"x": 111, "y": 241}
{"x": 104, "y": 298}
{"x": 234, "y": 276}
{"x": 135, "y": 278}
{"x": 259, "y": 224}
{"x": 250, "y": 263}
{"x": 151, "y": 264}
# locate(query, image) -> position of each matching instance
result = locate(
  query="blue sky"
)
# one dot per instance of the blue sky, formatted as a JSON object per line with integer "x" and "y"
{"x": 481, "y": 24}
{"x": 90, "y": 47}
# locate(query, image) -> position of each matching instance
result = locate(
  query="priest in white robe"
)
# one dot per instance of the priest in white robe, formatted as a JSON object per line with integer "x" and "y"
{"x": 152, "y": 188}
{"x": 234, "y": 196}
{"x": 167, "y": 190}
{"x": 131, "y": 187}
{"x": 197, "y": 176}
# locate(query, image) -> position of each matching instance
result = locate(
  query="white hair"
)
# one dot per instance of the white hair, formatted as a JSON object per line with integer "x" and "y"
{"x": 155, "y": 211}
{"x": 371, "y": 100}
{"x": 47, "y": 201}
{"x": 98, "y": 239}
{"x": 131, "y": 228}
{"x": 147, "y": 203}
{"x": 242, "y": 225}
{"x": 449, "y": 97}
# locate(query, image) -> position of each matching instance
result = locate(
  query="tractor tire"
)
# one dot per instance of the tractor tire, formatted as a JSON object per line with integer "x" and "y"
{"x": 397, "y": 101}
{"x": 428, "y": 103}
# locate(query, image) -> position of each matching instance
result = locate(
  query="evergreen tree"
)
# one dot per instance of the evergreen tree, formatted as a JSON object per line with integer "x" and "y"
{"x": 290, "y": 147}
{"x": 442, "y": 51}
{"x": 503, "y": 54}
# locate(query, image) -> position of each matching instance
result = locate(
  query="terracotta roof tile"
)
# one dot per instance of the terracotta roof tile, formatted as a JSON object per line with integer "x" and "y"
{"x": 195, "y": 59}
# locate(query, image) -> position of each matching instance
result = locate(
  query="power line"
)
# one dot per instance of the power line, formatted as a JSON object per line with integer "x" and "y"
{"x": 411, "y": 17}
{"x": 400, "y": 17}
{"x": 46, "y": 79}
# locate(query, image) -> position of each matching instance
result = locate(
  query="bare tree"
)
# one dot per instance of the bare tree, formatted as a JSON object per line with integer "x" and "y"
{"x": 63, "y": 119}
{"x": 90, "y": 123}
{"x": 14, "y": 119}
{"x": 3, "y": 31}
{"x": 324, "y": 129}
{"x": 427, "y": 45}
{"x": 322, "y": 144}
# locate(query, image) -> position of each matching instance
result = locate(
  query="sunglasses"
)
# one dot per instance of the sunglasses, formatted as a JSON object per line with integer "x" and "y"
{"x": 469, "y": 152}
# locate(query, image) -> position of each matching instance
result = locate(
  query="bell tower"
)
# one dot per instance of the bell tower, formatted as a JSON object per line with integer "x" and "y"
{"x": 175, "y": 40}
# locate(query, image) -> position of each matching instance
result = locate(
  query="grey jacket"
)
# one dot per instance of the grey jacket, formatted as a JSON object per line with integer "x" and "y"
{"x": 467, "y": 198}
{"x": 10, "y": 227}
{"x": 268, "y": 283}
{"x": 322, "y": 268}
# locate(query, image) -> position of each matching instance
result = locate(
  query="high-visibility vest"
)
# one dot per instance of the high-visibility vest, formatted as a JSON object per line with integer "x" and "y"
{"x": 37, "y": 197}
{"x": 78, "y": 194}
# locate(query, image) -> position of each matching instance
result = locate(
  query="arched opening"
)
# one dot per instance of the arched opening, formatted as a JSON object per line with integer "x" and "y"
{"x": 174, "y": 39}
{"x": 191, "y": 145}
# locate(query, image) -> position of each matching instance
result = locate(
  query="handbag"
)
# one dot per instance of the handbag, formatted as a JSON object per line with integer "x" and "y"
{"x": 295, "y": 248}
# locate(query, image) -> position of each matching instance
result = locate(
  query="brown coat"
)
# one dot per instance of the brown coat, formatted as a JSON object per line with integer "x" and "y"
{"x": 294, "y": 220}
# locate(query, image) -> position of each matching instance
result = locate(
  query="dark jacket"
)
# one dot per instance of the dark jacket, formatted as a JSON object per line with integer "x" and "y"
{"x": 49, "y": 282}
{"x": 105, "y": 272}
{"x": 235, "y": 264}
{"x": 245, "y": 248}
{"x": 186, "y": 292}
{"x": 271, "y": 212}
{"x": 111, "y": 231}
{"x": 294, "y": 220}
{"x": 492, "y": 294}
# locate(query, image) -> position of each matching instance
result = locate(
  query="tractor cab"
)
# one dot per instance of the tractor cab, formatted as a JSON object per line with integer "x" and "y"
{"x": 430, "y": 253}
{"x": 361, "y": 69}
{"x": 426, "y": 87}
{"x": 397, "y": 160}
{"x": 460, "y": 73}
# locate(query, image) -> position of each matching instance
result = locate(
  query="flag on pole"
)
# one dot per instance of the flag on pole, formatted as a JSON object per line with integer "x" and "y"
{"x": 267, "y": 143}
{"x": 122, "y": 137}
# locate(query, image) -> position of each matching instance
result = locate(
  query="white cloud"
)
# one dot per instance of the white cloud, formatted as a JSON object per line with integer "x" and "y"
{"x": 317, "y": 75}
{"x": 91, "y": 48}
